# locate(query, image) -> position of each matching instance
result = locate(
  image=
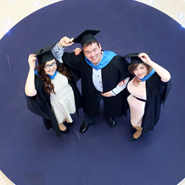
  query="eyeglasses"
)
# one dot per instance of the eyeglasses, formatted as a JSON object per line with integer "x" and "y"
{"x": 51, "y": 65}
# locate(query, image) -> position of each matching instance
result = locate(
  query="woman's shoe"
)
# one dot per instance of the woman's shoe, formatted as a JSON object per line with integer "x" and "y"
{"x": 133, "y": 130}
{"x": 70, "y": 124}
{"x": 132, "y": 139}
{"x": 66, "y": 131}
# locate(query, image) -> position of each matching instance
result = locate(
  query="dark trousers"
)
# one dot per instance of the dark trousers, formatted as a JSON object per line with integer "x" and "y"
{"x": 90, "y": 119}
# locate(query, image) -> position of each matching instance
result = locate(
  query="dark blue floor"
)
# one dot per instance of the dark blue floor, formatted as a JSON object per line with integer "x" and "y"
{"x": 31, "y": 155}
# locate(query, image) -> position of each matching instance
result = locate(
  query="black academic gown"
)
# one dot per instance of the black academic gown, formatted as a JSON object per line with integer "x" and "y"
{"x": 40, "y": 104}
{"x": 156, "y": 93}
{"x": 115, "y": 71}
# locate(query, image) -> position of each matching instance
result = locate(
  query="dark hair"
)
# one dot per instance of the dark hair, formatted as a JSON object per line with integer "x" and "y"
{"x": 132, "y": 67}
{"x": 48, "y": 86}
{"x": 89, "y": 43}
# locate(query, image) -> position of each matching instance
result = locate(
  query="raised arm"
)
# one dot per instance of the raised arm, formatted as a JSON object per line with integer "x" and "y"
{"x": 58, "y": 49}
{"x": 72, "y": 60}
{"x": 65, "y": 41}
{"x": 30, "y": 81}
{"x": 162, "y": 72}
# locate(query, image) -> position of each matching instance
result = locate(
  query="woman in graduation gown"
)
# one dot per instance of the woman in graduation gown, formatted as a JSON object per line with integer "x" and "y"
{"x": 51, "y": 91}
{"x": 148, "y": 89}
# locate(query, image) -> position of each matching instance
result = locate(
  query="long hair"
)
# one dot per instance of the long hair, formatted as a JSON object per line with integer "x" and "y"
{"x": 48, "y": 86}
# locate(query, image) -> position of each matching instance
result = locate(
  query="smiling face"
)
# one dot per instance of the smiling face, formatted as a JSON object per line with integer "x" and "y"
{"x": 93, "y": 52}
{"x": 140, "y": 71}
{"x": 50, "y": 67}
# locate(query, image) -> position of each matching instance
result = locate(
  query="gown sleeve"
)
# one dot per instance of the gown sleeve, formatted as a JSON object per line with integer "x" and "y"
{"x": 34, "y": 104}
{"x": 123, "y": 68}
{"x": 164, "y": 91}
{"x": 157, "y": 92}
{"x": 73, "y": 63}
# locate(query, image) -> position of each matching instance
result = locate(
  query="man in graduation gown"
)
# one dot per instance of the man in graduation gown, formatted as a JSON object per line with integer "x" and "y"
{"x": 100, "y": 72}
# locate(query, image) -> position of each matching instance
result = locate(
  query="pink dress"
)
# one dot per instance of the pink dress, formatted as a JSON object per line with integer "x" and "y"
{"x": 137, "y": 107}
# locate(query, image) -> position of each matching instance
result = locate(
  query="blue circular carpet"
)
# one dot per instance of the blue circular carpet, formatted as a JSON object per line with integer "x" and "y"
{"x": 32, "y": 155}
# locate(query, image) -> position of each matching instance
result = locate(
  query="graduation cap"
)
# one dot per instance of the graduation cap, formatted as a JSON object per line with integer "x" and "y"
{"x": 45, "y": 54}
{"x": 86, "y": 36}
{"x": 134, "y": 58}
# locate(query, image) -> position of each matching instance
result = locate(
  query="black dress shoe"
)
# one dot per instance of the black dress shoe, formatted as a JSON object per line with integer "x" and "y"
{"x": 84, "y": 127}
{"x": 112, "y": 121}
{"x": 66, "y": 131}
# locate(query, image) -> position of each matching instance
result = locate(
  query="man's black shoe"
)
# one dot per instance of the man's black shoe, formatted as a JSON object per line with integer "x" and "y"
{"x": 84, "y": 127}
{"x": 112, "y": 121}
